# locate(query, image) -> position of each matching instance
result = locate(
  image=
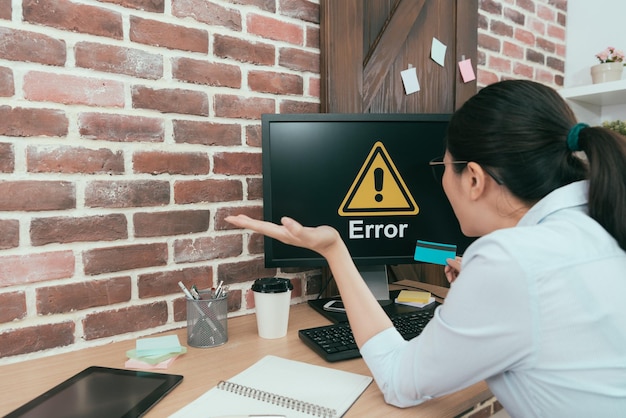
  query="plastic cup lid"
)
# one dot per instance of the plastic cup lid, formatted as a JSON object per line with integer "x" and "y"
{"x": 272, "y": 285}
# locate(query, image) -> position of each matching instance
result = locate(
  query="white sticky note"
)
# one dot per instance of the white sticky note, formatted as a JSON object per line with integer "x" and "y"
{"x": 438, "y": 51}
{"x": 409, "y": 78}
{"x": 467, "y": 71}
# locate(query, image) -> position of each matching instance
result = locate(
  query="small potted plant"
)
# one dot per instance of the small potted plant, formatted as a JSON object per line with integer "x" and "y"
{"x": 618, "y": 126}
{"x": 610, "y": 67}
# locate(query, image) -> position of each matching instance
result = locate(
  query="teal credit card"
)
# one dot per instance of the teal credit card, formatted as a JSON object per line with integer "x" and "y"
{"x": 433, "y": 252}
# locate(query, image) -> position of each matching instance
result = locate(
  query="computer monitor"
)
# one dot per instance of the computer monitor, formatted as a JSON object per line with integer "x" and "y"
{"x": 367, "y": 175}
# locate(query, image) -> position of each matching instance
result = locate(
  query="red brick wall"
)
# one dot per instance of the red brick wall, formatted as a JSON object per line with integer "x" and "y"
{"x": 130, "y": 128}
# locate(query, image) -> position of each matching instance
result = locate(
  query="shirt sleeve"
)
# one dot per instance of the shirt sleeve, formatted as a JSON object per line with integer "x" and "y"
{"x": 482, "y": 329}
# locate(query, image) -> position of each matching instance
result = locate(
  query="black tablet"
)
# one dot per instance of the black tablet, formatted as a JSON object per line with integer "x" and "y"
{"x": 101, "y": 392}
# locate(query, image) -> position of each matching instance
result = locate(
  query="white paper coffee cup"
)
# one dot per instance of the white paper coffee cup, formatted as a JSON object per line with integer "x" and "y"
{"x": 272, "y": 298}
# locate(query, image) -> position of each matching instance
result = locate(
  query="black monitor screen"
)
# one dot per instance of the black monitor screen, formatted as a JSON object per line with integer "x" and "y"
{"x": 367, "y": 175}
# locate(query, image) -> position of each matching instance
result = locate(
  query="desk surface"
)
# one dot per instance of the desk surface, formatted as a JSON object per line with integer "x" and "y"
{"x": 202, "y": 368}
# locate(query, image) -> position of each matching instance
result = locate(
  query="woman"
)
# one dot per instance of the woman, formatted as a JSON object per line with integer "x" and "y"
{"x": 537, "y": 309}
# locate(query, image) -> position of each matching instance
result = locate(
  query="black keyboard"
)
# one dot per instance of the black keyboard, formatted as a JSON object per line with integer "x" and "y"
{"x": 335, "y": 342}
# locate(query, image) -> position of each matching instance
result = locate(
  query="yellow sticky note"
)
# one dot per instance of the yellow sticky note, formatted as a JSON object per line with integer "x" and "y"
{"x": 413, "y": 296}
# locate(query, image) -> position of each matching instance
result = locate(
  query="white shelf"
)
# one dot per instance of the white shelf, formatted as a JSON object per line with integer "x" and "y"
{"x": 602, "y": 94}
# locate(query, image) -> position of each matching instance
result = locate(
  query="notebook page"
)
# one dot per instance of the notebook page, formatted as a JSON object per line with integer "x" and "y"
{"x": 323, "y": 386}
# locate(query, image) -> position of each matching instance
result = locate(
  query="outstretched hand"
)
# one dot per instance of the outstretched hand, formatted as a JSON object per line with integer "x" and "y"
{"x": 319, "y": 239}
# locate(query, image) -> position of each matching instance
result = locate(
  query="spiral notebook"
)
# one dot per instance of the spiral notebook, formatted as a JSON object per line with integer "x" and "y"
{"x": 275, "y": 385}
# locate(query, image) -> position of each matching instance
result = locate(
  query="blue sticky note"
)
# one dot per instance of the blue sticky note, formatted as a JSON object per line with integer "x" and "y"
{"x": 157, "y": 345}
{"x": 433, "y": 252}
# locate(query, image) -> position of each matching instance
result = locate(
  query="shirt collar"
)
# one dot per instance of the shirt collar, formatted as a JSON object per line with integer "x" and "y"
{"x": 569, "y": 196}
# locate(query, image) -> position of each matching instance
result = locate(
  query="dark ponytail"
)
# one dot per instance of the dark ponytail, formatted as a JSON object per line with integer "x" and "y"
{"x": 519, "y": 129}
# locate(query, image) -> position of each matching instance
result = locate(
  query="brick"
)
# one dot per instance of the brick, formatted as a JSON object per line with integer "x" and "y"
{"x": 255, "y": 188}
{"x": 7, "y": 87}
{"x": 157, "y": 224}
{"x": 556, "y": 32}
{"x": 244, "y": 271}
{"x": 312, "y": 37}
{"x": 36, "y": 267}
{"x": 524, "y": 70}
{"x": 13, "y": 306}
{"x": 545, "y": 13}
{"x": 207, "y": 73}
{"x": 314, "y": 87}
{"x": 301, "y": 10}
{"x": 515, "y": 16}
{"x": 296, "y": 106}
{"x": 156, "y": 6}
{"x": 501, "y": 29}
{"x": 31, "y": 47}
{"x": 253, "y": 136}
{"x": 22, "y": 122}
{"x": 493, "y": 7}
{"x": 121, "y": 321}
{"x": 36, "y": 338}
{"x": 206, "y": 133}
{"x": 535, "y": 56}
{"x": 208, "y": 12}
{"x": 237, "y": 163}
{"x": 7, "y": 158}
{"x": 528, "y": 5}
{"x": 166, "y": 282}
{"x": 68, "y": 229}
{"x": 159, "y": 162}
{"x": 255, "y": 212}
{"x": 512, "y": 50}
{"x": 267, "y": 5}
{"x": 67, "y": 15}
{"x": 256, "y": 244}
{"x": 127, "y": 193}
{"x": 121, "y": 128}
{"x": 9, "y": 234}
{"x": 33, "y": 195}
{"x": 240, "y": 107}
{"x": 211, "y": 190}
{"x": 546, "y": 45}
{"x": 5, "y": 9}
{"x": 486, "y": 78}
{"x": 171, "y": 100}
{"x": 555, "y": 63}
{"x": 559, "y": 4}
{"x": 118, "y": 60}
{"x": 74, "y": 90}
{"x": 69, "y": 160}
{"x": 207, "y": 248}
{"x": 299, "y": 60}
{"x": 276, "y": 83}
{"x": 84, "y": 295}
{"x": 244, "y": 50}
{"x": 156, "y": 33}
{"x": 274, "y": 28}
{"x": 525, "y": 36}
{"x": 537, "y": 26}
{"x": 489, "y": 42}
{"x": 126, "y": 257}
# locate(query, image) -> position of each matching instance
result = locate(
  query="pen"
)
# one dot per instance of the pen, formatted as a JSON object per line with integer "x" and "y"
{"x": 185, "y": 290}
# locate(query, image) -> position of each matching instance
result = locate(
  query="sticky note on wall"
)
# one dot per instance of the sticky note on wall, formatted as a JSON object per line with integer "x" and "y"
{"x": 432, "y": 252}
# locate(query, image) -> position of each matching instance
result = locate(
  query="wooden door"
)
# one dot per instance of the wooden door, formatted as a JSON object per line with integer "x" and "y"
{"x": 365, "y": 44}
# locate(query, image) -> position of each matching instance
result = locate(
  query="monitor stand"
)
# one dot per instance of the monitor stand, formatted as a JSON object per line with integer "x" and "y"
{"x": 377, "y": 281}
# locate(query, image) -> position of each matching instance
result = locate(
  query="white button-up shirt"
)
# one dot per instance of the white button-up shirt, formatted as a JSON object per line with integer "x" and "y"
{"x": 538, "y": 310}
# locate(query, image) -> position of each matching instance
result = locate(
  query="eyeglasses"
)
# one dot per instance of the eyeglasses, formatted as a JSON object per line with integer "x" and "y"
{"x": 438, "y": 165}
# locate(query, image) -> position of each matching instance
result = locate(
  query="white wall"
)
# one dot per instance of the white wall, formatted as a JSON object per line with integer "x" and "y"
{"x": 592, "y": 25}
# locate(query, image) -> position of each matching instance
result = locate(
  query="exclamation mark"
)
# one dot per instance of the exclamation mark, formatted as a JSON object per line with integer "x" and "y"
{"x": 378, "y": 183}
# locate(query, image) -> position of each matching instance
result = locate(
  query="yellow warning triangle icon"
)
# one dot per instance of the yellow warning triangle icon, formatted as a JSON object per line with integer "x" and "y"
{"x": 378, "y": 189}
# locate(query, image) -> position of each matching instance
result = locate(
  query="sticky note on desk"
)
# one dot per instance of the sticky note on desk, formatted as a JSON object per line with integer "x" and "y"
{"x": 414, "y": 296}
{"x": 432, "y": 252}
{"x": 157, "y": 345}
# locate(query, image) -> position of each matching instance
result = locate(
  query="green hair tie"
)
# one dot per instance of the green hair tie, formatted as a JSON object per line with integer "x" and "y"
{"x": 572, "y": 136}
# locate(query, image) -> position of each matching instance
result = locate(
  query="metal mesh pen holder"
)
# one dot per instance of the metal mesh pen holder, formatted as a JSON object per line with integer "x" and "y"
{"x": 206, "y": 321}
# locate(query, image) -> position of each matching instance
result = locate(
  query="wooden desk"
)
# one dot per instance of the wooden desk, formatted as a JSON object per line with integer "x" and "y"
{"x": 204, "y": 367}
